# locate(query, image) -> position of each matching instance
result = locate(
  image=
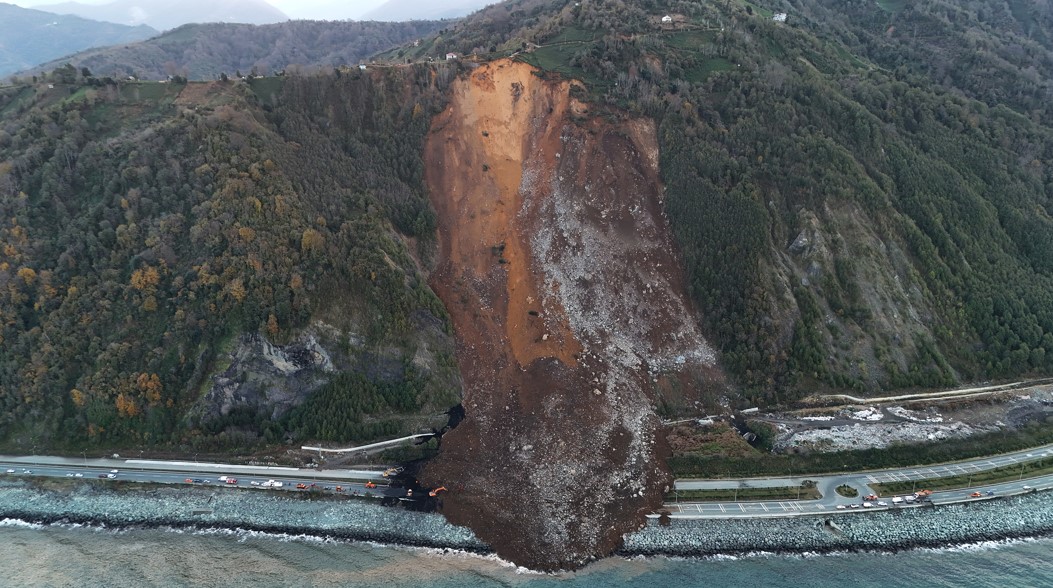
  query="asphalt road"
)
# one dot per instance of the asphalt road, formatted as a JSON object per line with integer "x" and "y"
{"x": 831, "y": 500}
{"x": 199, "y": 474}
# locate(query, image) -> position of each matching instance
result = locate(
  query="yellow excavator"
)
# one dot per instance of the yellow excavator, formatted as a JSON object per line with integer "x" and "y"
{"x": 436, "y": 491}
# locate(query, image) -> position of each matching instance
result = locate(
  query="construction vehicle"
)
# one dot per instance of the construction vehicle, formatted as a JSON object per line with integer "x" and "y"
{"x": 436, "y": 491}
{"x": 392, "y": 471}
{"x": 370, "y": 485}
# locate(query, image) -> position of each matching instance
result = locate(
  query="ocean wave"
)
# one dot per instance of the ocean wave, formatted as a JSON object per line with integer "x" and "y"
{"x": 19, "y": 523}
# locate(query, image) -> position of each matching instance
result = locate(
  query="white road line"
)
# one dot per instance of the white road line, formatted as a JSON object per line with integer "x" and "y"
{"x": 721, "y": 507}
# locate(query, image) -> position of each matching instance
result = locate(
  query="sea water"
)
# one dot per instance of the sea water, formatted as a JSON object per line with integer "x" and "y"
{"x": 65, "y": 555}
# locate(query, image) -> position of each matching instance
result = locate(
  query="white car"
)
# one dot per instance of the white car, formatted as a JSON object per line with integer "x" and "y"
{"x": 114, "y": 472}
{"x": 882, "y": 503}
{"x": 254, "y": 483}
{"x": 69, "y": 475}
{"x": 78, "y": 475}
{"x": 867, "y": 505}
{"x": 111, "y": 476}
{"x": 10, "y": 471}
{"x": 1025, "y": 487}
{"x": 841, "y": 507}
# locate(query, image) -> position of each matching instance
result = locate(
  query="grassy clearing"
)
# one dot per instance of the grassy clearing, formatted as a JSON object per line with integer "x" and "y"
{"x": 267, "y": 89}
{"x": 572, "y": 34}
{"x": 746, "y": 494}
{"x": 1041, "y": 467}
{"x": 710, "y": 67}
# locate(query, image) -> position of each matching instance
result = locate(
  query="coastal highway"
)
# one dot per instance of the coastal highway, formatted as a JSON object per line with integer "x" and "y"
{"x": 177, "y": 472}
{"x": 831, "y": 500}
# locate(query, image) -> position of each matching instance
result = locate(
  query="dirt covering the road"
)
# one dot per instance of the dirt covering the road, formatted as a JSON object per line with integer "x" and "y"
{"x": 569, "y": 310}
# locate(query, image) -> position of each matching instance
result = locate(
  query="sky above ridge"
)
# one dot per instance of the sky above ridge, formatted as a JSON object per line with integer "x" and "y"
{"x": 309, "y": 9}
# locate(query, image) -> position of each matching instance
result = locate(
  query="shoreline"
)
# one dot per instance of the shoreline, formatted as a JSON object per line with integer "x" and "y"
{"x": 1006, "y": 519}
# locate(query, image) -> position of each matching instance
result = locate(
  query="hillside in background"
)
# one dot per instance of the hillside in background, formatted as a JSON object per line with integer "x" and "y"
{"x": 29, "y": 37}
{"x": 169, "y": 14}
{"x": 403, "y": 10}
{"x": 204, "y": 52}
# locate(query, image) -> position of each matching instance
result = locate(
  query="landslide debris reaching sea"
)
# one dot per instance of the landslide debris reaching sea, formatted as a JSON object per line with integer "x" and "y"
{"x": 559, "y": 272}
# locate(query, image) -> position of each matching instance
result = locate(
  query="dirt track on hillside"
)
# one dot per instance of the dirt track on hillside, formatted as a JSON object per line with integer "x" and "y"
{"x": 557, "y": 267}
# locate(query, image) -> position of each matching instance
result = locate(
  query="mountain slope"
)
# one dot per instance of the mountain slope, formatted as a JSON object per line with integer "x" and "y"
{"x": 29, "y": 37}
{"x": 403, "y": 10}
{"x": 181, "y": 266}
{"x": 201, "y": 52}
{"x": 169, "y": 14}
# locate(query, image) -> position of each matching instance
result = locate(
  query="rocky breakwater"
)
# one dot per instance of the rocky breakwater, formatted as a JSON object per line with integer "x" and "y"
{"x": 568, "y": 304}
{"x": 1028, "y": 515}
{"x": 227, "y": 508}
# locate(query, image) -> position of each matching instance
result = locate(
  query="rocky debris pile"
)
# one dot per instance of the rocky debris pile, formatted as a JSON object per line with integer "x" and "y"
{"x": 1006, "y": 518}
{"x": 876, "y": 435}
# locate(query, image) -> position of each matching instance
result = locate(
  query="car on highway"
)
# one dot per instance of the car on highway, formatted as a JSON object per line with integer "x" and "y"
{"x": 196, "y": 480}
{"x": 111, "y": 476}
{"x": 841, "y": 507}
{"x": 897, "y": 500}
{"x": 254, "y": 483}
{"x": 301, "y": 486}
{"x": 867, "y": 504}
{"x": 855, "y": 505}
{"x": 114, "y": 472}
{"x": 27, "y": 471}
{"x": 10, "y": 471}
{"x": 975, "y": 495}
{"x": 103, "y": 476}
{"x": 78, "y": 475}
{"x": 1026, "y": 488}
{"x": 232, "y": 480}
{"x": 69, "y": 475}
{"x": 882, "y": 503}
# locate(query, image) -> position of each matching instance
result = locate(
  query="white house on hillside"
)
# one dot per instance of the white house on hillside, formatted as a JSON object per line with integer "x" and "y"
{"x": 667, "y": 19}
{"x": 451, "y": 56}
{"x": 779, "y": 17}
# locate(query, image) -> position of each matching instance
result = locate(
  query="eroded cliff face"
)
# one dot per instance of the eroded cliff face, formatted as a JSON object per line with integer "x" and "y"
{"x": 558, "y": 269}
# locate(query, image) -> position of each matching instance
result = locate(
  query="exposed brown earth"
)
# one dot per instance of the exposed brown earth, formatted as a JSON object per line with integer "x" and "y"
{"x": 558, "y": 269}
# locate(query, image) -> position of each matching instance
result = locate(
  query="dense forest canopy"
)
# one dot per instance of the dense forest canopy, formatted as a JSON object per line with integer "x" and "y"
{"x": 146, "y": 225}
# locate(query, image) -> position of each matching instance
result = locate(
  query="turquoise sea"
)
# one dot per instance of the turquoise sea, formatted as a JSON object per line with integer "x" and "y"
{"x": 34, "y": 555}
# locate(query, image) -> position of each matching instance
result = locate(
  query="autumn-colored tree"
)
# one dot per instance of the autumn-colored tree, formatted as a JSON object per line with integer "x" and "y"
{"x": 312, "y": 241}
{"x": 272, "y": 325}
{"x": 150, "y": 386}
{"x": 79, "y": 399}
{"x": 126, "y": 406}
{"x": 146, "y": 279}
{"x": 28, "y": 275}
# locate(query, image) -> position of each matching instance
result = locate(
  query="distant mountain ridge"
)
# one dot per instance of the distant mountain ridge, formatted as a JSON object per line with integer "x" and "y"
{"x": 402, "y": 10}
{"x": 169, "y": 14}
{"x": 29, "y": 37}
{"x": 205, "y": 51}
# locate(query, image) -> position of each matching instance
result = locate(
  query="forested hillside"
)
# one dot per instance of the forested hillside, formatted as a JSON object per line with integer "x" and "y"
{"x": 206, "y": 51}
{"x": 858, "y": 206}
{"x": 179, "y": 260}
